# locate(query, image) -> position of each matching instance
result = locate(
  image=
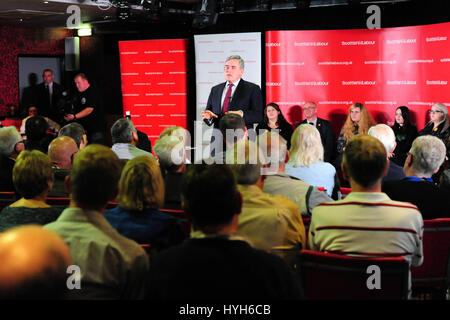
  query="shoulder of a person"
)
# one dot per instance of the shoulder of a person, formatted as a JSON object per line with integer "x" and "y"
{"x": 323, "y": 121}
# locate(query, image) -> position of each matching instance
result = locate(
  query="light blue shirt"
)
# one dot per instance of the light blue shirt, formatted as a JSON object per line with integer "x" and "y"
{"x": 318, "y": 174}
{"x": 128, "y": 151}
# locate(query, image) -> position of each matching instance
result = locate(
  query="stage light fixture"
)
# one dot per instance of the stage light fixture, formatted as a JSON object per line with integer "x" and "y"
{"x": 123, "y": 10}
{"x": 206, "y": 14}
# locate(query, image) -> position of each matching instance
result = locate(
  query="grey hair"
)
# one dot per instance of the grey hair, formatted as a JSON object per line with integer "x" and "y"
{"x": 273, "y": 146}
{"x": 236, "y": 57}
{"x": 385, "y": 134}
{"x": 170, "y": 152}
{"x": 122, "y": 131}
{"x": 444, "y": 109}
{"x": 244, "y": 158}
{"x": 428, "y": 154}
{"x": 9, "y": 137}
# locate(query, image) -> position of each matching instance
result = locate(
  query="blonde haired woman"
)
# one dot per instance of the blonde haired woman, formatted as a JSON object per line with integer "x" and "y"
{"x": 439, "y": 125}
{"x": 141, "y": 194}
{"x": 306, "y": 159}
{"x": 33, "y": 179}
{"x": 358, "y": 121}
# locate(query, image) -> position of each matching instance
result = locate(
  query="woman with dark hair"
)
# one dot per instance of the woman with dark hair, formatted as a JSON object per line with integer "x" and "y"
{"x": 274, "y": 119}
{"x": 405, "y": 133}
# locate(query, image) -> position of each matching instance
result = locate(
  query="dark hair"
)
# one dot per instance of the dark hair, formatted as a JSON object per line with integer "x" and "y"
{"x": 47, "y": 70}
{"x": 36, "y": 128}
{"x": 406, "y": 120}
{"x": 280, "y": 119}
{"x": 82, "y": 76}
{"x": 203, "y": 185}
{"x": 231, "y": 121}
{"x": 365, "y": 159}
{"x": 122, "y": 131}
{"x": 73, "y": 130}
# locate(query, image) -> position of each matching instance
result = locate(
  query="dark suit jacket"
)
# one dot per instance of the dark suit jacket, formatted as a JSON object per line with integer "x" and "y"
{"x": 327, "y": 136}
{"x": 432, "y": 202}
{"x": 395, "y": 172}
{"x": 43, "y": 104}
{"x": 247, "y": 97}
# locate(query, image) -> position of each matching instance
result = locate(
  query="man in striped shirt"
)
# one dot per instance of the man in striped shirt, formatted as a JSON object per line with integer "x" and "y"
{"x": 367, "y": 222}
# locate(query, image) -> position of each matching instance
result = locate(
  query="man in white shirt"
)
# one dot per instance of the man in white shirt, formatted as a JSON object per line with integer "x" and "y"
{"x": 125, "y": 138}
{"x": 234, "y": 96}
{"x": 367, "y": 222}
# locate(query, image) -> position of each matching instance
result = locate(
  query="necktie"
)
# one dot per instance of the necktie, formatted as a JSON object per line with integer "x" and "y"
{"x": 226, "y": 102}
{"x": 49, "y": 97}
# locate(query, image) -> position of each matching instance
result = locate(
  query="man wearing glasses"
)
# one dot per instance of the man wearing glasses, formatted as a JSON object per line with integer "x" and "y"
{"x": 324, "y": 127}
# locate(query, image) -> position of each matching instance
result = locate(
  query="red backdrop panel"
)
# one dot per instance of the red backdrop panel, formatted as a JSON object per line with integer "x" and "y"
{"x": 382, "y": 68}
{"x": 154, "y": 84}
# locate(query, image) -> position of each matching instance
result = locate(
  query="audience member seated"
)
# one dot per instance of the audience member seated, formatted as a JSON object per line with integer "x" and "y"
{"x": 444, "y": 184}
{"x": 33, "y": 264}
{"x": 141, "y": 193}
{"x": 268, "y": 222}
{"x": 33, "y": 111}
{"x": 277, "y": 182}
{"x": 182, "y": 134}
{"x": 274, "y": 120}
{"x": 306, "y": 159}
{"x": 171, "y": 154}
{"x": 387, "y": 137}
{"x": 61, "y": 151}
{"x": 11, "y": 145}
{"x": 222, "y": 265}
{"x": 439, "y": 125}
{"x": 405, "y": 133}
{"x": 425, "y": 157}
{"x": 125, "y": 138}
{"x": 367, "y": 222}
{"x": 33, "y": 179}
{"x": 233, "y": 125}
{"x": 358, "y": 121}
{"x": 113, "y": 267}
{"x": 36, "y": 131}
{"x": 76, "y": 132}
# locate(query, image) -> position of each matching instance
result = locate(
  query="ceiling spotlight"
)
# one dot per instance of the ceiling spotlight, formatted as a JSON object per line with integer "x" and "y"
{"x": 123, "y": 11}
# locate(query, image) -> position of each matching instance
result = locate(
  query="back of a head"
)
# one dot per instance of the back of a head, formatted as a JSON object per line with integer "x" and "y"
{"x": 385, "y": 134}
{"x": 428, "y": 154}
{"x": 203, "y": 185}
{"x": 32, "y": 173}
{"x": 170, "y": 152}
{"x": 122, "y": 131}
{"x": 9, "y": 136}
{"x": 306, "y": 146}
{"x": 141, "y": 185}
{"x": 33, "y": 264}
{"x": 232, "y": 122}
{"x": 95, "y": 175}
{"x": 245, "y": 159}
{"x": 73, "y": 130}
{"x": 365, "y": 160}
{"x": 36, "y": 128}
{"x": 61, "y": 151}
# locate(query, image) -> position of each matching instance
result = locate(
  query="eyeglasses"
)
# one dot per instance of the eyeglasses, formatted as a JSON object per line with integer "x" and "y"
{"x": 434, "y": 111}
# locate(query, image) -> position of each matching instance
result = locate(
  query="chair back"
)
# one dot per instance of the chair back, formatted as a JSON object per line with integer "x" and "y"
{"x": 331, "y": 276}
{"x": 180, "y": 214}
{"x": 434, "y": 272}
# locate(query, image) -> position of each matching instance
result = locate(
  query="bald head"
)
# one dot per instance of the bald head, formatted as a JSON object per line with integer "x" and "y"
{"x": 61, "y": 152}
{"x": 33, "y": 264}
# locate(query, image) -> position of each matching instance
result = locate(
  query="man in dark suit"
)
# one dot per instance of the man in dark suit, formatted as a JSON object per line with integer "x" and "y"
{"x": 49, "y": 93}
{"x": 234, "y": 96}
{"x": 324, "y": 127}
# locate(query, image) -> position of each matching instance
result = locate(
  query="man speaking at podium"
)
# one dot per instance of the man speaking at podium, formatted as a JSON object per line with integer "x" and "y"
{"x": 234, "y": 96}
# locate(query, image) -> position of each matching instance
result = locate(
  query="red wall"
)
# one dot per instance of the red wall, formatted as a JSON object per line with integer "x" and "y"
{"x": 20, "y": 40}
